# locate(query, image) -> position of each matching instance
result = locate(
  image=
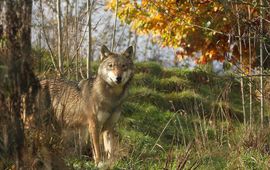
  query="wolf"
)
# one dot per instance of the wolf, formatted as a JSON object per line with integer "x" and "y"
{"x": 94, "y": 104}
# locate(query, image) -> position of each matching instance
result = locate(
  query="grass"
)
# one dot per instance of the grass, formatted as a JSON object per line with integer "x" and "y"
{"x": 175, "y": 107}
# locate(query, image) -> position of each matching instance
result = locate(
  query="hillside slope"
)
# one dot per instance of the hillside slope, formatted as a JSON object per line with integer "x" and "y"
{"x": 176, "y": 119}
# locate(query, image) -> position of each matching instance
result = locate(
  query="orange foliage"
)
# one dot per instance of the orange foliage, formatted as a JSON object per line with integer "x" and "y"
{"x": 198, "y": 25}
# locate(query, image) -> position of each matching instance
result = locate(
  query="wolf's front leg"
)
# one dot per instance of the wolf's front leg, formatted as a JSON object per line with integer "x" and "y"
{"x": 109, "y": 138}
{"x": 94, "y": 132}
{"x": 109, "y": 143}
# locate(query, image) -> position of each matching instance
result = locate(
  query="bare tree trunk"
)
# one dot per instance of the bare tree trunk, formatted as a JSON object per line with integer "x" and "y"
{"x": 89, "y": 55}
{"x": 39, "y": 47}
{"x": 241, "y": 64}
{"x": 261, "y": 64}
{"x": 114, "y": 26}
{"x": 135, "y": 45}
{"x": 67, "y": 38}
{"x": 60, "y": 42}
{"x": 146, "y": 48}
{"x": 250, "y": 73}
{"x": 129, "y": 37}
{"x": 76, "y": 40}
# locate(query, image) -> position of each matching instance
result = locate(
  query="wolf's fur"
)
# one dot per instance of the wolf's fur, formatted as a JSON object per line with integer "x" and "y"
{"x": 94, "y": 103}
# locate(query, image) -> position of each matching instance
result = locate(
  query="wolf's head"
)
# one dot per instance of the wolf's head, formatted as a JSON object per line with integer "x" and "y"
{"x": 116, "y": 69}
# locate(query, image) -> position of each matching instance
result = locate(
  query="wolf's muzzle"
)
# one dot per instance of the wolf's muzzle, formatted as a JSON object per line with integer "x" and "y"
{"x": 118, "y": 79}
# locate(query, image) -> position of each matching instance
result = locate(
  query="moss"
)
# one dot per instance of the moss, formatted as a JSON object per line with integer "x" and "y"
{"x": 172, "y": 84}
{"x": 151, "y": 68}
{"x": 143, "y": 79}
{"x": 183, "y": 100}
{"x": 170, "y": 72}
{"x": 168, "y": 85}
{"x": 147, "y": 95}
{"x": 130, "y": 108}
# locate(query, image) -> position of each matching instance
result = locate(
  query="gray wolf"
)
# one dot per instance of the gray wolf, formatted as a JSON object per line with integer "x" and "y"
{"x": 94, "y": 103}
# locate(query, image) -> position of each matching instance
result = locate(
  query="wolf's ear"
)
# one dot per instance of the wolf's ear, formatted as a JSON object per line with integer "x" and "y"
{"x": 129, "y": 52}
{"x": 105, "y": 52}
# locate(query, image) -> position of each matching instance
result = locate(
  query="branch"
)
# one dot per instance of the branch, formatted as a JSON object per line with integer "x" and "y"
{"x": 79, "y": 46}
{"x": 46, "y": 38}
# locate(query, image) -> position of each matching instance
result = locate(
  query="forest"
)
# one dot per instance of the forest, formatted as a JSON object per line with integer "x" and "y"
{"x": 194, "y": 92}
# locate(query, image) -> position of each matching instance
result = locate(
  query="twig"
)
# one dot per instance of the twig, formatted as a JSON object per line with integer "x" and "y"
{"x": 46, "y": 38}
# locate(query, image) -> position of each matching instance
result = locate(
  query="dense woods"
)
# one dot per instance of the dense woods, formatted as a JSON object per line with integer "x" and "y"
{"x": 199, "y": 98}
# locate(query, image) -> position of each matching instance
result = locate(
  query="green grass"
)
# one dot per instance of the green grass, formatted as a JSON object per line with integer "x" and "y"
{"x": 151, "y": 68}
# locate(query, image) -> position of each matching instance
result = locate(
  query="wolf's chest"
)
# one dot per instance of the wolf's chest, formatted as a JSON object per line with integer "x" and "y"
{"x": 103, "y": 116}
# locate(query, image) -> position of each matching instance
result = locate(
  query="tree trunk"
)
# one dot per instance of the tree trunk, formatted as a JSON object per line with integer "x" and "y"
{"x": 146, "y": 48}
{"x": 76, "y": 40}
{"x": 67, "y": 48}
{"x": 59, "y": 42}
{"x": 114, "y": 26}
{"x": 261, "y": 64}
{"x": 250, "y": 73}
{"x": 135, "y": 45}
{"x": 241, "y": 65}
{"x": 89, "y": 55}
{"x": 15, "y": 55}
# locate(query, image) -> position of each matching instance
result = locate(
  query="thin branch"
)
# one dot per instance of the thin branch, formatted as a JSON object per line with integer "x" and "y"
{"x": 46, "y": 38}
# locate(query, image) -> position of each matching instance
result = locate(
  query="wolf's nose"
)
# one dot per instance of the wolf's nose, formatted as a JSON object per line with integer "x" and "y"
{"x": 118, "y": 79}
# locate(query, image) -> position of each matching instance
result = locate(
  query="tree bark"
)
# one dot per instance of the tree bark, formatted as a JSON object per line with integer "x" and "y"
{"x": 250, "y": 73}
{"x": 15, "y": 55}
{"x": 76, "y": 40}
{"x": 67, "y": 48}
{"x": 261, "y": 65}
{"x": 60, "y": 41}
{"x": 241, "y": 65}
{"x": 89, "y": 55}
{"x": 114, "y": 26}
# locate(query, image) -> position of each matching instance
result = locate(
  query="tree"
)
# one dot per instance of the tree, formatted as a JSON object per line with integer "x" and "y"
{"x": 60, "y": 39}
{"x": 90, "y": 6}
{"x": 201, "y": 25}
{"x": 18, "y": 79}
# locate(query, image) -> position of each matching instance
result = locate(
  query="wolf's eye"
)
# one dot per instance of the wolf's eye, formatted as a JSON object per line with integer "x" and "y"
{"x": 110, "y": 65}
{"x": 124, "y": 66}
